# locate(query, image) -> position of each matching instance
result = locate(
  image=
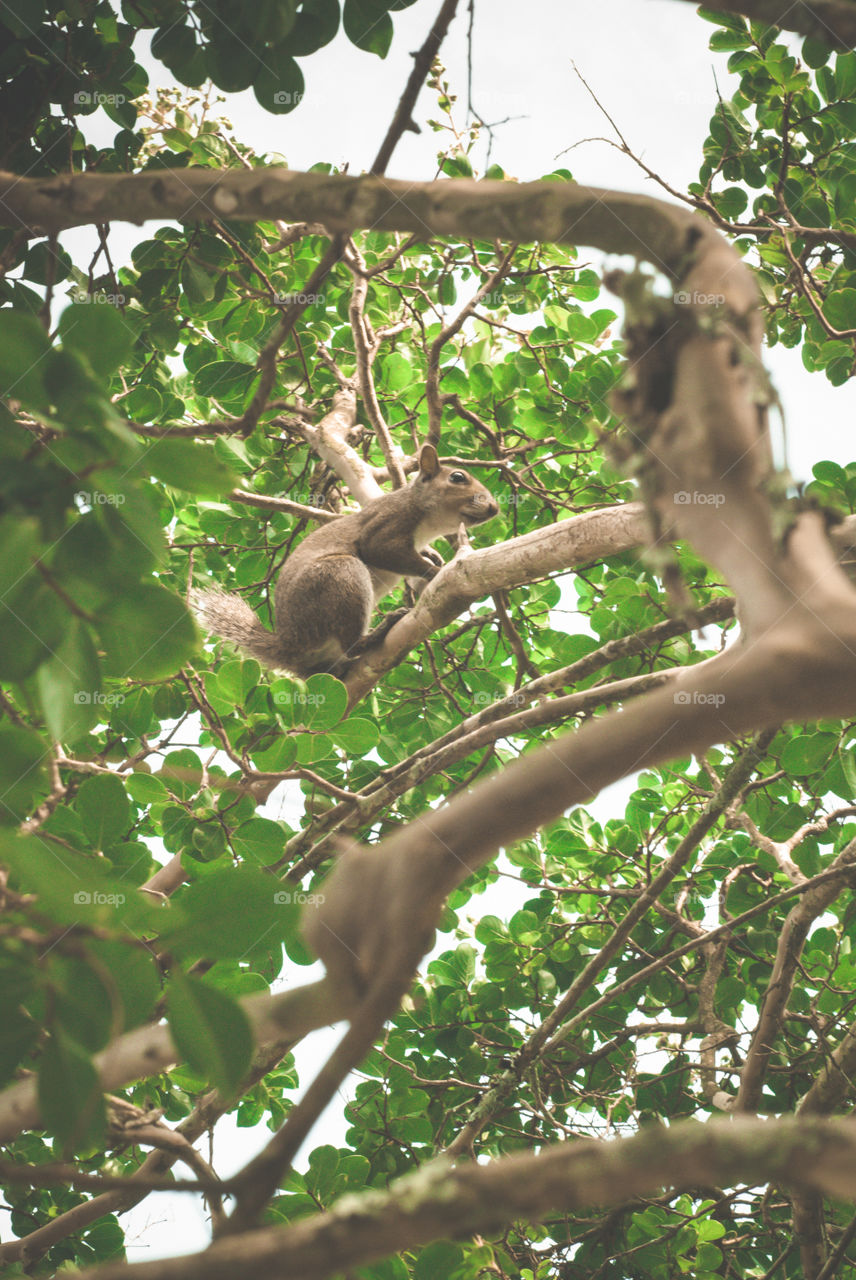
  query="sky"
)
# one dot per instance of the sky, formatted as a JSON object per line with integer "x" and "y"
{"x": 658, "y": 81}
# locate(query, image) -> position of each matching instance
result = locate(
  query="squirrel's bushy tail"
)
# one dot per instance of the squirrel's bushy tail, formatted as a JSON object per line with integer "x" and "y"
{"x": 231, "y": 618}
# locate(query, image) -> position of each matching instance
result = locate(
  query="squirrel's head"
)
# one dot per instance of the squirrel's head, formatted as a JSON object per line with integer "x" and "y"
{"x": 457, "y": 491}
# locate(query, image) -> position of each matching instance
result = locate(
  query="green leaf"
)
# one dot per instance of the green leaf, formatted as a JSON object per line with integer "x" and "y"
{"x": 725, "y": 41}
{"x": 231, "y": 65}
{"x": 316, "y": 25}
{"x": 33, "y": 623}
{"x": 190, "y": 466}
{"x": 74, "y": 888}
{"x": 312, "y": 747}
{"x": 197, "y": 283}
{"x": 69, "y": 684}
{"x": 146, "y": 789}
{"x": 368, "y": 26}
{"x": 70, "y": 1096}
{"x": 20, "y": 544}
{"x": 99, "y": 333}
{"x": 807, "y": 753}
{"x": 279, "y": 86}
{"x": 840, "y": 309}
{"x": 81, "y": 1001}
{"x": 210, "y": 1030}
{"x": 24, "y": 347}
{"x": 845, "y": 74}
{"x": 174, "y": 46}
{"x": 398, "y": 372}
{"x": 260, "y": 840}
{"x": 223, "y": 378}
{"x": 731, "y": 202}
{"x": 830, "y": 473}
{"x": 147, "y": 635}
{"x": 18, "y": 1034}
{"x": 142, "y": 404}
{"x": 22, "y": 771}
{"x": 815, "y": 53}
{"x": 323, "y": 704}
{"x": 228, "y": 914}
{"x": 133, "y": 976}
{"x": 104, "y": 809}
{"x": 356, "y": 736}
{"x": 23, "y": 17}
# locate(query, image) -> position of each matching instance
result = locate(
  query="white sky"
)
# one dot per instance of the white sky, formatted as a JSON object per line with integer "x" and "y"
{"x": 657, "y": 81}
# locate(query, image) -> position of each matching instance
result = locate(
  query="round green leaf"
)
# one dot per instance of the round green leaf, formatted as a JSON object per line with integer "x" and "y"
{"x": 316, "y": 25}
{"x": 69, "y": 685}
{"x": 260, "y": 840}
{"x": 23, "y": 348}
{"x": 231, "y": 65}
{"x": 223, "y": 378}
{"x": 279, "y": 85}
{"x": 146, "y": 634}
{"x": 103, "y": 808}
{"x": 189, "y": 465}
{"x": 210, "y": 1030}
{"x": 368, "y": 25}
{"x": 100, "y": 333}
{"x": 22, "y": 756}
{"x": 356, "y": 736}
{"x": 70, "y": 1096}
{"x": 840, "y": 309}
{"x": 229, "y": 913}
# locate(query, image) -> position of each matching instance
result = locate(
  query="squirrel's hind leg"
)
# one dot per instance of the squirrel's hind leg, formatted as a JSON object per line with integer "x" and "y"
{"x": 324, "y": 613}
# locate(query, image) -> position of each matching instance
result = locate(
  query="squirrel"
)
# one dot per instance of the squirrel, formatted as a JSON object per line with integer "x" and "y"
{"x": 328, "y": 587}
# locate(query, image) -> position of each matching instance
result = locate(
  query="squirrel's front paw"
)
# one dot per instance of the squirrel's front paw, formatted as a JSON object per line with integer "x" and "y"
{"x": 434, "y": 561}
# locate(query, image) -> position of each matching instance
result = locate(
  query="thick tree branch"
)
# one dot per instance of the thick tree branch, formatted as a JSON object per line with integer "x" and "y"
{"x": 564, "y": 213}
{"x": 442, "y": 1200}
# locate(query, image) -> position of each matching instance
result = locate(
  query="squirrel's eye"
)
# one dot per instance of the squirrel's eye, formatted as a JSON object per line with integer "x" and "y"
{"x": 459, "y": 477}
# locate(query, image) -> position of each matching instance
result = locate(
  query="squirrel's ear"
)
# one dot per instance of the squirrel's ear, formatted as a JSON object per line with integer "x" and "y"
{"x": 429, "y": 463}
